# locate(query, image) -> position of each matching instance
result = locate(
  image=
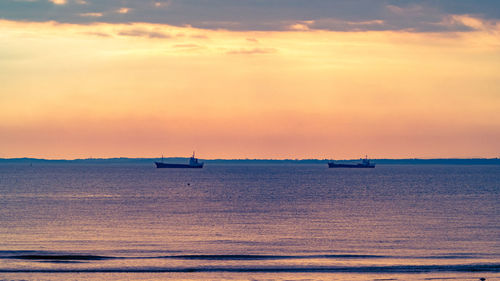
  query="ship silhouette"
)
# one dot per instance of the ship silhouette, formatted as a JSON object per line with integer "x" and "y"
{"x": 193, "y": 163}
{"x": 365, "y": 163}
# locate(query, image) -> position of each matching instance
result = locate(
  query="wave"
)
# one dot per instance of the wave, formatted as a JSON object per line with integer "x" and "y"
{"x": 53, "y": 256}
{"x": 62, "y": 257}
{"x": 492, "y": 268}
{"x": 50, "y": 256}
{"x": 269, "y": 257}
{"x": 103, "y": 267}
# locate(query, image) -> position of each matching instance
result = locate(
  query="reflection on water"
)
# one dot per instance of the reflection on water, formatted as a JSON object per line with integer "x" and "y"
{"x": 244, "y": 222}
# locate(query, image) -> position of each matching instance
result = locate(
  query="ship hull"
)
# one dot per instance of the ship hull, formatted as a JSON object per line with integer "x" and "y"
{"x": 335, "y": 165}
{"x": 167, "y": 165}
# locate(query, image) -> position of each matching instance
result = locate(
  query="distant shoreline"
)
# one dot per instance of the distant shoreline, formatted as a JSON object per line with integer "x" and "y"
{"x": 125, "y": 160}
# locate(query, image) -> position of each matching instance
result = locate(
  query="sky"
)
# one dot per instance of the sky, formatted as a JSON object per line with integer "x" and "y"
{"x": 280, "y": 79}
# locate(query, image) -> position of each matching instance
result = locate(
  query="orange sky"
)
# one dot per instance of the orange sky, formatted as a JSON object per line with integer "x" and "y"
{"x": 143, "y": 90}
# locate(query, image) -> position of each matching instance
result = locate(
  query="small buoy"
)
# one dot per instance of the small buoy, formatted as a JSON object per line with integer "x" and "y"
{"x": 482, "y": 278}
{"x": 189, "y": 183}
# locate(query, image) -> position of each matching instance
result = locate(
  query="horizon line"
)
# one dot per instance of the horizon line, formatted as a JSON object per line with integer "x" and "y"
{"x": 244, "y": 159}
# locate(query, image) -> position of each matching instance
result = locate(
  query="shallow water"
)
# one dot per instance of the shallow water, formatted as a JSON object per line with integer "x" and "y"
{"x": 68, "y": 221}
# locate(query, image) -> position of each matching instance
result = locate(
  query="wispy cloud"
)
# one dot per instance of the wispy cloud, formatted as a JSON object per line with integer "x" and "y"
{"x": 144, "y": 33}
{"x": 199, "y": 36}
{"x": 344, "y": 25}
{"x": 405, "y": 10}
{"x": 253, "y": 40}
{"x": 98, "y": 34}
{"x": 162, "y": 4}
{"x": 91, "y": 15}
{"x": 301, "y": 26}
{"x": 252, "y": 51}
{"x": 186, "y": 46}
{"x": 123, "y": 10}
{"x": 468, "y": 22}
{"x": 58, "y": 2}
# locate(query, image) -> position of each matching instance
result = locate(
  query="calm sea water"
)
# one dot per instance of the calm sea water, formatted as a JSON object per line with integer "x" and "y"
{"x": 248, "y": 222}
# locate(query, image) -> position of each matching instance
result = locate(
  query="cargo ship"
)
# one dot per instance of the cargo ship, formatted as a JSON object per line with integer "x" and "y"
{"x": 365, "y": 163}
{"x": 193, "y": 163}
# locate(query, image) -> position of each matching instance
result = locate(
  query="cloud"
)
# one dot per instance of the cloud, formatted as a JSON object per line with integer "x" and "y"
{"x": 339, "y": 25}
{"x": 199, "y": 36}
{"x": 269, "y": 15}
{"x": 144, "y": 33}
{"x": 467, "y": 22}
{"x": 253, "y": 51}
{"x": 91, "y": 15}
{"x": 162, "y": 4}
{"x": 187, "y": 46}
{"x": 58, "y": 2}
{"x": 98, "y": 34}
{"x": 405, "y": 11}
{"x": 123, "y": 10}
{"x": 301, "y": 26}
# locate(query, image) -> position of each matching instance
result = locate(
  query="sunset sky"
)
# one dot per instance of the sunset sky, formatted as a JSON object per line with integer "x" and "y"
{"x": 249, "y": 79}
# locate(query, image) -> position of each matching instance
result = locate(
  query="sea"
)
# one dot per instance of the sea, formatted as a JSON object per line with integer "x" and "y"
{"x": 131, "y": 221}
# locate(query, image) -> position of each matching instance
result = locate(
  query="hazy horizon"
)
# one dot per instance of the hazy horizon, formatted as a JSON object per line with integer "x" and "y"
{"x": 246, "y": 159}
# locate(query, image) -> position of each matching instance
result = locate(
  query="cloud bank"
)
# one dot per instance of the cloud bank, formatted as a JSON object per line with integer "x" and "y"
{"x": 266, "y": 15}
